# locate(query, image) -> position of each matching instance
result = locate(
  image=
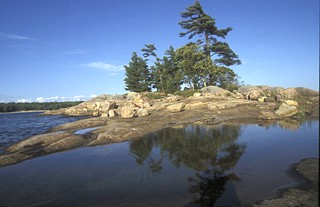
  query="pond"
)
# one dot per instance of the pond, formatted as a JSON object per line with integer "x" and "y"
{"x": 192, "y": 165}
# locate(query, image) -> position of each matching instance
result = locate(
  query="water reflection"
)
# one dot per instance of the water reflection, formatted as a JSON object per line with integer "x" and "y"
{"x": 209, "y": 185}
{"x": 159, "y": 171}
{"x": 141, "y": 149}
{"x": 290, "y": 124}
{"x": 210, "y": 150}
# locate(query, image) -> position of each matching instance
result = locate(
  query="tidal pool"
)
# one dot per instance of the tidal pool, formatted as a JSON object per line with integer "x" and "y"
{"x": 192, "y": 165}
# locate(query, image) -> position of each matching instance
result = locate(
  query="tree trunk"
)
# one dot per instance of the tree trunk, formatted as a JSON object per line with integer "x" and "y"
{"x": 207, "y": 50}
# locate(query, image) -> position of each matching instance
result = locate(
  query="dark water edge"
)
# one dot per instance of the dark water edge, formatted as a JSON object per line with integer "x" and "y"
{"x": 194, "y": 165}
{"x": 15, "y": 126}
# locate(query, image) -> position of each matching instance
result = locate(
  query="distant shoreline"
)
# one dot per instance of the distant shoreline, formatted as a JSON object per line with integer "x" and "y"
{"x": 17, "y": 112}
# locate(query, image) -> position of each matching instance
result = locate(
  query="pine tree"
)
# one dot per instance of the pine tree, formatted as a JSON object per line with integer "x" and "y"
{"x": 173, "y": 78}
{"x": 190, "y": 60}
{"x": 156, "y": 72}
{"x": 198, "y": 23}
{"x": 137, "y": 75}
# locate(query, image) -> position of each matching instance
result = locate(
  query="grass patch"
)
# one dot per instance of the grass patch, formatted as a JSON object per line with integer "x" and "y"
{"x": 186, "y": 93}
{"x": 154, "y": 95}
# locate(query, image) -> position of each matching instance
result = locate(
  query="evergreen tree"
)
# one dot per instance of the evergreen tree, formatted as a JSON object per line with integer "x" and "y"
{"x": 149, "y": 50}
{"x": 165, "y": 74}
{"x": 173, "y": 76}
{"x": 137, "y": 75}
{"x": 198, "y": 23}
{"x": 191, "y": 62}
{"x": 156, "y": 72}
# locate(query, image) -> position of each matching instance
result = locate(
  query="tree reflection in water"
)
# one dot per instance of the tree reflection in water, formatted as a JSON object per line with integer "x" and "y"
{"x": 207, "y": 186}
{"x": 141, "y": 149}
{"x": 210, "y": 150}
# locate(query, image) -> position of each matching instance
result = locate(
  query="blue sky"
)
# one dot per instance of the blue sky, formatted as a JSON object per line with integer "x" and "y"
{"x": 52, "y": 50}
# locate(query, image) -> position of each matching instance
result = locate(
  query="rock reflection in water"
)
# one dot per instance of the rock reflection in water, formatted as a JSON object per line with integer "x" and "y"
{"x": 290, "y": 124}
{"x": 210, "y": 150}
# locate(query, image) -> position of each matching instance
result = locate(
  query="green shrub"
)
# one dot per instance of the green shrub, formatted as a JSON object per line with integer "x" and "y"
{"x": 231, "y": 87}
{"x": 301, "y": 113}
{"x": 186, "y": 93}
{"x": 154, "y": 95}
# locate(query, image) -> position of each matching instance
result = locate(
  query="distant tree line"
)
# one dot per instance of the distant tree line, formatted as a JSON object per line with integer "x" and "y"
{"x": 13, "y": 107}
{"x": 195, "y": 65}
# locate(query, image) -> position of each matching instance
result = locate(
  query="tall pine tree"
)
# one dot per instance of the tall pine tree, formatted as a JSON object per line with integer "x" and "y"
{"x": 137, "y": 75}
{"x": 198, "y": 23}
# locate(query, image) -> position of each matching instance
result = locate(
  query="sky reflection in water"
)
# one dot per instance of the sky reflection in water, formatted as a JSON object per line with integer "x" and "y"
{"x": 192, "y": 166}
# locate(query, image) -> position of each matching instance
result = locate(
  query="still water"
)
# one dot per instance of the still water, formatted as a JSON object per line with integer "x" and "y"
{"x": 15, "y": 127}
{"x": 193, "y": 165}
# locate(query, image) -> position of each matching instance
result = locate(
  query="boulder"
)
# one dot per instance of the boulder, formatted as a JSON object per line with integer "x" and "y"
{"x": 269, "y": 99}
{"x": 107, "y": 97}
{"x": 245, "y": 90}
{"x": 90, "y": 106}
{"x": 291, "y": 103}
{"x": 262, "y": 99}
{"x": 93, "y": 108}
{"x": 196, "y": 95}
{"x": 127, "y": 112}
{"x": 306, "y": 92}
{"x": 104, "y": 106}
{"x": 212, "y": 106}
{"x": 95, "y": 113}
{"x": 133, "y": 95}
{"x": 129, "y": 104}
{"x": 104, "y": 114}
{"x": 142, "y": 102}
{"x": 173, "y": 98}
{"x": 298, "y": 93}
{"x": 143, "y": 112}
{"x": 176, "y": 107}
{"x": 286, "y": 110}
{"x": 221, "y": 105}
{"x": 198, "y": 104}
{"x": 254, "y": 95}
{"x": 215, "y": 90}
{"x": 289, "y": 93}
{"x": 112, "y": 113}
{"x": 238, "y": 95}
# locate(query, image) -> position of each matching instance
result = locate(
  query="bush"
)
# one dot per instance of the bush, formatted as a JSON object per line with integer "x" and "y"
{"x": 154, "y": 95}
{"x": 186, "y": 93}
{"x": 231, "y": 87}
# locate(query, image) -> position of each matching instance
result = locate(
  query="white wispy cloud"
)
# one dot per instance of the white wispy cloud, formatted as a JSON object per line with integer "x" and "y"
{"x": 63, "y": 98}
{"x": 114, "y": 69}
{"x": 4, "y": 35}
{"x": 24, "y": 100}
{"x": 48, "y": 99}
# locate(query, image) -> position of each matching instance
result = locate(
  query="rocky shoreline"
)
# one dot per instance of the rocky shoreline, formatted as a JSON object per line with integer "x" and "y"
{"x": 307, "y": 191}
{"x": 124, "y": 117}
{"x": 120, "y": 118}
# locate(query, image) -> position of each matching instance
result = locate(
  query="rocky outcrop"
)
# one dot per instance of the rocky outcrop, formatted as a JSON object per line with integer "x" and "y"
{"x": 172, "y": 98}
{"x": 197, "y": 95}
{"x": 250, "y": 92}
{"x": 89, "y": 108}
{"x": 276, "y": 93}
{"x": 133, "y": 95}
{"x": 127, "y": 112}
{"x": 104, "y": 106}
{"x": 215, "y": 91}
{"x": 115, "y": 118}
{"x": 309, "y": 170}
{"x": 142, "y": 112}
{"x": 176, "y": 107}
{"x": 287, "y": 109}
